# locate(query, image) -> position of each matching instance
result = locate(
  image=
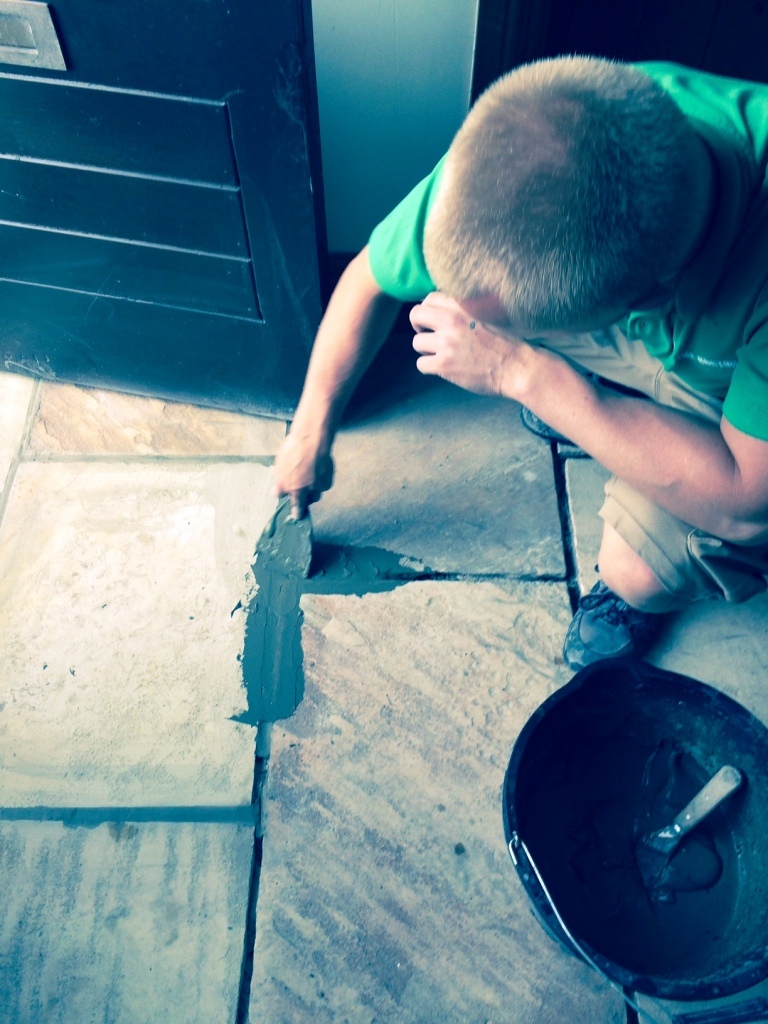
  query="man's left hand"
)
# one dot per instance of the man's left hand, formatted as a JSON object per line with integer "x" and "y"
{"x": 455, "y": 346}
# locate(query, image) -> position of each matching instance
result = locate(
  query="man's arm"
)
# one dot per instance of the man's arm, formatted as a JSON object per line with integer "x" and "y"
{"x": 715, "y": 478}
{"x": 355, "y": 325}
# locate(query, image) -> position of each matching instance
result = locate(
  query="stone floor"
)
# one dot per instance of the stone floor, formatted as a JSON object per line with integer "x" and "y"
{"x": 160, "y": 858}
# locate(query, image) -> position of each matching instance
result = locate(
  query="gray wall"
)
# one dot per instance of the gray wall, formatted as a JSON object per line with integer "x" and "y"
{"x": 393, "y": 82}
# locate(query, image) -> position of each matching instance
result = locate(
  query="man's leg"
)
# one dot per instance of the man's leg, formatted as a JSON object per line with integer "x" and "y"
{"x": 651, "y": 562}
{"x": 628, "y": 576}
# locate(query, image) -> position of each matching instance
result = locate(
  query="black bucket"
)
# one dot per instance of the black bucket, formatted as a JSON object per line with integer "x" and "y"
{"x": 607, "y": 757}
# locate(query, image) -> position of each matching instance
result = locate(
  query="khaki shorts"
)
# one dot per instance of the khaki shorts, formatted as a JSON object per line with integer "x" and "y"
{"x": 691, "y": 564}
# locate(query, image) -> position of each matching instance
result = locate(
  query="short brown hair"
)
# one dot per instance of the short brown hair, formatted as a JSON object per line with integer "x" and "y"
{"x": 567, "y": 190}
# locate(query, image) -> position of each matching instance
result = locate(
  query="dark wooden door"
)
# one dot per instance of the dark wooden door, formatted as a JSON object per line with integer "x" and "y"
{"x": 159, "y": 197}
{"x": 727, "y": 37}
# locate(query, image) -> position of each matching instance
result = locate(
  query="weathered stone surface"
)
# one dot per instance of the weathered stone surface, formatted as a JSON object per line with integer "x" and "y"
{"x": 89, "y": 421}
{"x": 15, "y": 395}
{"x": 127, "y": 923}
{"x": 120, "y": 668}
{"x": 725, "y": 645}
{"x": 448, "y": 478}
{"x": 387, "y": 893}
{"x": 585, "y": 480}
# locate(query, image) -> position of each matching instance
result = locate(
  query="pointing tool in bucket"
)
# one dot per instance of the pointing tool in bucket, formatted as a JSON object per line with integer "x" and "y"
{"x": 615, "y": 754}
{"x": 655, "y": 850}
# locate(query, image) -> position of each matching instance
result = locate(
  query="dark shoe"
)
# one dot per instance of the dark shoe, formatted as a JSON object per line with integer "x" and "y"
{"x": 540, "y": 428}
{"x": 604, "y": 626}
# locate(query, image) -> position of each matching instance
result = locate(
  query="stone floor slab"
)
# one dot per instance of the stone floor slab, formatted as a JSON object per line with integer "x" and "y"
{"x": 450, "y": 479}
{"x": 725, "y": 645}
{"x": 15, "y": 397}
{"x": 120, "y": 670}
{"x": 387, "y": 893}
{"x": 90, "y": 421}
{"x": 585, "y": 480}
{"x": 126, "y": 923}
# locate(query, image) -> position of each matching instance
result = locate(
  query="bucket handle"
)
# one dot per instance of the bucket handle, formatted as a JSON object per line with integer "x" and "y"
{"x": 515, "y": 846}
{"x": 746, "y": 1012}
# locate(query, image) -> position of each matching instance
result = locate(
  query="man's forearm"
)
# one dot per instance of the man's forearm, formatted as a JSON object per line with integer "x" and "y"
{"x": 680, "y": 462}
{"x": 356, "y": 323}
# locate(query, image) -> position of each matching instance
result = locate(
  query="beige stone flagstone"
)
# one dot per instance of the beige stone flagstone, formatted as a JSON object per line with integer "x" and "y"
{"x": 448, "y": 478}
{"x": 91, "y": 421}
{"x": 585, "y": 482}
{"x": 128, "y": 923}
{"x": 120, "y": 671}
{"x": 387, "y": 893}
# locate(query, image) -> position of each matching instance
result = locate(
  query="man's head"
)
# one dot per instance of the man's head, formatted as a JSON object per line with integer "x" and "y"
{"x": 574, "y": 186}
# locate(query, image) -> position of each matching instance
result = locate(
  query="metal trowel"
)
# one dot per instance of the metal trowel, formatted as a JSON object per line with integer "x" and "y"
{"x": 654, "y": 850}
{"x": 286, "y": 543}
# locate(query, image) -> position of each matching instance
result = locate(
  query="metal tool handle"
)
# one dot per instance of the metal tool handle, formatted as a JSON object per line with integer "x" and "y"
{"x": 721, "y": 785}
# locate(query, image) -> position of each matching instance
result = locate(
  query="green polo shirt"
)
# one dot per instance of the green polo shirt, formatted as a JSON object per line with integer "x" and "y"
{"x": 714, "y": 334}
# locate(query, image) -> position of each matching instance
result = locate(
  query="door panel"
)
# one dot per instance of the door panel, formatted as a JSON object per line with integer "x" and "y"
{"x": 125, "y": 270}
{"x": 159, "y": 199}
{"x": 95, "y": 340}
{"x": 110, "y": 204}
{"x": 105, "y": 128}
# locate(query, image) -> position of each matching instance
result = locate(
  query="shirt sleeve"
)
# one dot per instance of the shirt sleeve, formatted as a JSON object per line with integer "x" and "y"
{"x": 746, "y": 403}
{"x": 396, "y": 246}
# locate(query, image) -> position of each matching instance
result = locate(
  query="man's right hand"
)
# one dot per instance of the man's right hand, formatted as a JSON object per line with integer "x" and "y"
{"x": 302, "y": 472}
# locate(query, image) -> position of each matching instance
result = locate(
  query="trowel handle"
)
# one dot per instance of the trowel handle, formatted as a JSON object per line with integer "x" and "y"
{"x": 721, "y": 785}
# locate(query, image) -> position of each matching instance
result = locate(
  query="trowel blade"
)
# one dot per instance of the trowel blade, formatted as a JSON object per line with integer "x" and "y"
{"x": 286, "y": 543}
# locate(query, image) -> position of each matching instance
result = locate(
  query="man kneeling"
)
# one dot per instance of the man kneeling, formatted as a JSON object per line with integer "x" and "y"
{"x": 591, "y": 222}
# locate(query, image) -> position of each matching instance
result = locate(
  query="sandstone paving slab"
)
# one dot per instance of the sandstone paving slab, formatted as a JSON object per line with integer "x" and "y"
{"x": 386, "y": 890}
{"x": 127, "y": 923}
{"x": 585, "y": 480}
{"x": 450, "y": 479}
{"x": 15, "y": 396}
{"x": 91, "y": 421}
{"x": 120, "y": 671}
{"x": 725, "y": 645}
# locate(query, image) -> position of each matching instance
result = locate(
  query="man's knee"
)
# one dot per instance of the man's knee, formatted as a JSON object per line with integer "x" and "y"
{"x": 624, "y": 571}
